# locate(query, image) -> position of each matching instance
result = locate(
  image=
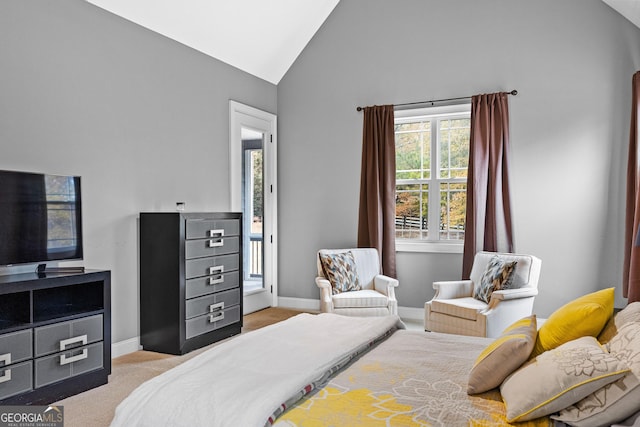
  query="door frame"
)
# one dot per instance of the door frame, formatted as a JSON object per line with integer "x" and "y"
{"x": 241, "y": 115}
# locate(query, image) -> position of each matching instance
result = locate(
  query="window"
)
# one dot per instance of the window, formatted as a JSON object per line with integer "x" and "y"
{"x": 432, "y": 156}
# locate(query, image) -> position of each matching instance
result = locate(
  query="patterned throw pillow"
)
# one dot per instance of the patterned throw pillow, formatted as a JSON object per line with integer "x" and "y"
{"x": 618, "y": 400}
{"x": 498, "y": 275}
{"x": 559, "y": 378}
{"x": 340, "y": 270}
{"x": 631, "y": 313}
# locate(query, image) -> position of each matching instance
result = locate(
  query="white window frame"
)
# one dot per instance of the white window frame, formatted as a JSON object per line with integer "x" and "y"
{"x": 432, "y": 245}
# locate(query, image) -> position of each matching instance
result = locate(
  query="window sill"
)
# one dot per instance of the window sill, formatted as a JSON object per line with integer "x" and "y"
{"x": 429, "y": 247}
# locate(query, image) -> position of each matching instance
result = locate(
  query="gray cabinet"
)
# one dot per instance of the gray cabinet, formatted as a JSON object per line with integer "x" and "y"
{"x": 55, "y": 335}
{"x": 190, "y": 279}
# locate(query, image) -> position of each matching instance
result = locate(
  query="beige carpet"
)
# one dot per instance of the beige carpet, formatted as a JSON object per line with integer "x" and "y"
{"x": 96, "y": 407}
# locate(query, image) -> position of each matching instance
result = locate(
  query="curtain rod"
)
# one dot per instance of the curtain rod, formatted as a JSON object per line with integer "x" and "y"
{"x": 513, "y": 92}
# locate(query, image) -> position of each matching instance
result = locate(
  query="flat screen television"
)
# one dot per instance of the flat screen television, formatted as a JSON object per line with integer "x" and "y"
{"x": 40, "y": 218}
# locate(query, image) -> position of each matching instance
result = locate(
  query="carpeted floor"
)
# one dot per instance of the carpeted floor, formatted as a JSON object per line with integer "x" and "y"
{"x": 95, "y": 408}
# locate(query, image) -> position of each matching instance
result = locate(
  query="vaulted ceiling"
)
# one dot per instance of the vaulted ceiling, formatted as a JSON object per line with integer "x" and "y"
{"x": 261, "y": 37}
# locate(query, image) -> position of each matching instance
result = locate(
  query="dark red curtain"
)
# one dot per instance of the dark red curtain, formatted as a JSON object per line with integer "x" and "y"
{"x": 631, "y": 273}
{"x": 488, "y": 224}
{"x": 376, "y": 217}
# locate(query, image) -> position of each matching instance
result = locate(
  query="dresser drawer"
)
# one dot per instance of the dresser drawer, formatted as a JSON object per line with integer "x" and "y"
{"x": 15, "y": 379}
{"x": 211, "y": 247}
{"x": 210, "y": 284}
{"x": 210, "y": 322}
{"x": 15, "y": 347}
{"x": 212, "y": 303}
{"x": 66, "y": 364}
{"x": 73, "y": 333}
{"x": 211, "y": 266}
{"x": 206, "y": 228}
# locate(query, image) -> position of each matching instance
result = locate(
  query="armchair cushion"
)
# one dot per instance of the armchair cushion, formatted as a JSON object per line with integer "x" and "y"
{"x": 361, "y": 298}
{"x": 498, "y": 275}
{"x": 465, "y": 308}
{"x": 340, "y": 269}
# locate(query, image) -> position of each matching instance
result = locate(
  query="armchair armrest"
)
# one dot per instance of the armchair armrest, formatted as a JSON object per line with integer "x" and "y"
{"x": 385, "y": 284}
{"x": 509, "y": 294}
{"x": 453, "y": 289}
{"x": 326, "y": 303}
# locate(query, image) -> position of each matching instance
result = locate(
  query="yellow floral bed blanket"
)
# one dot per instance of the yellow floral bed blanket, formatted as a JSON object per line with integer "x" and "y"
{"x": 411, "y": 379}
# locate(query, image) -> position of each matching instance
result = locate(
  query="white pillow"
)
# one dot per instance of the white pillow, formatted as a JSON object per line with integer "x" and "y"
{"x": 618, "y": 400}
{"x": 558, "y": 378}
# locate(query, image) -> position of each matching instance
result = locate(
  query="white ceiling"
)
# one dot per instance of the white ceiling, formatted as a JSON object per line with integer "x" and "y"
{"x": 630, "y": 9}
{"x": 261, "y": 37}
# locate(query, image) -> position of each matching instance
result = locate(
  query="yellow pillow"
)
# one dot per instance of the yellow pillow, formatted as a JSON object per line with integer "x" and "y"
{"x": 585, "y": 316}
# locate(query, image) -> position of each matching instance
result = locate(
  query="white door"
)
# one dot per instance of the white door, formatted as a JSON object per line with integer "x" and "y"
{"x": 252, "y": 158}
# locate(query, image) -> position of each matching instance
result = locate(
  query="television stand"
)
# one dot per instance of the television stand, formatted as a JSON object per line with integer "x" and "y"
{"x": 42, "y": 268}
{"x": 55, "y": 335}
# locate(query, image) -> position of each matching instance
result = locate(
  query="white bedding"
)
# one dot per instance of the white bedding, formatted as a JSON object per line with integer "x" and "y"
{"x": 244, "y": 381}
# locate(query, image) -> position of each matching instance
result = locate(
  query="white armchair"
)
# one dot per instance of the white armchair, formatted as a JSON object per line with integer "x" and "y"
{"x": 454, "y": 310}
{"x": 377, "y": 295}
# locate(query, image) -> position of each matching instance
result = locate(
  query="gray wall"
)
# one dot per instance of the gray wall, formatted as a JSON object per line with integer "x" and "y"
{"x": 143, "y": 119}
{"x": 572, "y": 63}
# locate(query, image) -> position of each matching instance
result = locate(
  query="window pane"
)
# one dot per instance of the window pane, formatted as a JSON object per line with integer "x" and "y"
{"x": 411, "y": 211}
{"x": 453, "y": 207}
{"x": 413, "y": 150}
{"x": 454, "y": 147}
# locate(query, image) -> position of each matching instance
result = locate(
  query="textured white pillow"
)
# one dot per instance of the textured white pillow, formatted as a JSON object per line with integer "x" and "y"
{"x": 558, "y": 378}
{"x": 618, "y": 400}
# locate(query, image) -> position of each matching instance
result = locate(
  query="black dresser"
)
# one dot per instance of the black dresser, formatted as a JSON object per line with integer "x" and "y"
{"x": 190, "y": 279}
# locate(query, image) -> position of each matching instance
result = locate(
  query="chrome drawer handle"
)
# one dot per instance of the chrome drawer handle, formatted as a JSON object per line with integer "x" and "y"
{"x": 215, "y": 244}
{"x": 64, "y": 360}
{"x": 216, "y": 233}
{"x": 216, "y": 280}
{"x": 216, "y": 307}
{"x": 215, "y": 317}
{"x": 6, "y": 376}
{"x": 6, "y": 358}
{"x": 217, "y": 269}
{"x": 81, "y": 339}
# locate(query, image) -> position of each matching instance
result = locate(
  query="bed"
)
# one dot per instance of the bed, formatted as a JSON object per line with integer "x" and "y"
{"x": 324, "y": 370}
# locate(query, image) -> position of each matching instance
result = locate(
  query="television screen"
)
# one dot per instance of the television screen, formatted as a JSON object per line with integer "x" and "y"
{"x": 40, "y": 218}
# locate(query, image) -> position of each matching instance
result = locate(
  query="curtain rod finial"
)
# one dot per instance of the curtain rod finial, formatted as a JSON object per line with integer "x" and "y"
{"x": 514, "y": 92}
{"x": 359, "y": 108}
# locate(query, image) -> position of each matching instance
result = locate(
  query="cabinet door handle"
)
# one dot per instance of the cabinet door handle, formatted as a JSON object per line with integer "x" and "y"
{"x": 216, "y": 317}
{"x": 217, "y": 269}
{"x": 65, "y": 360}
{"x": 216, "y": 280}
{"x": 80, "y": 339}
{"x": 216, "y": 307}
{"x": 6, "y": 376}
{"x": 216, "y": 233}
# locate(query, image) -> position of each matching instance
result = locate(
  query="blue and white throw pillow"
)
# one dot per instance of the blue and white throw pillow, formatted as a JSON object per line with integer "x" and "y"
{"x": 498, "y": 275}
{"x": 340, "y": 270}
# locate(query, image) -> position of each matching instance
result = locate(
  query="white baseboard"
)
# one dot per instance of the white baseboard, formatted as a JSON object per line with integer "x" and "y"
{"x": 299, "y": 303}
{"x": 413, "y": 313}
{"x": 125, "y": 347}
